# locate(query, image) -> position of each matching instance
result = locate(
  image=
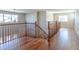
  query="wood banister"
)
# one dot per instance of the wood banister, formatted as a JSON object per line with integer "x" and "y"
{"x": 41, "y": 29}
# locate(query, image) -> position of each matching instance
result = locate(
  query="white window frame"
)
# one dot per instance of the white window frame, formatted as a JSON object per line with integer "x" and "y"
{"x": 63, "y": 18}
{"x": 5, "y": 20}
{"x": 1, "y": 20}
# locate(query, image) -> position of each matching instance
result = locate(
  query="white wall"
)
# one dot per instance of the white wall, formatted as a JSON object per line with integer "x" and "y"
{"x": 43, "y": 17}
{"x": 31, "y": 17}
{"x": 49, "y": 16}
{"x": 21, "y": 18}
{"x": 42, "y": 21}
{"x": 77, "y": 21}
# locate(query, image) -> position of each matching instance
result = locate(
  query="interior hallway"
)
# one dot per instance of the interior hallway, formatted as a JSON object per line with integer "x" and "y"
{"x": 65, "y": 39}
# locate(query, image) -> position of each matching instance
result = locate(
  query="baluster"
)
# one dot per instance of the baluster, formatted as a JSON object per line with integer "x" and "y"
{"x": 35, "y": 30}
{"x": 7, "y": 35}
{"x": 10, "y": 38}
{"x": 28, "y": 30}
{"x": 14, "y": 34}
{"x": 6, "y": 40}
{"x": 18, "y": 33}
{"x": 25, "y": 29}
{"x": 0, "y": 35}
{"x": 3, "y": 34}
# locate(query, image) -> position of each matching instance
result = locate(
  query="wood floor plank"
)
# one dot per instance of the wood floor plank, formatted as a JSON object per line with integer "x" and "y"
{"x": 65, "y": 39}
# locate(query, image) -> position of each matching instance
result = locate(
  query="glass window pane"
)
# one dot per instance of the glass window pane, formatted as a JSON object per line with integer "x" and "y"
{"x": 14, "y": 18}
{"x": 1, "y": 18}
{"x": 63, "y": 18}
{"x": 7, "y": 18}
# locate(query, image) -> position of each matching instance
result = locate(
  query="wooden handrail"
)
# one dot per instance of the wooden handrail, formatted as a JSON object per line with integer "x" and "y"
{"x": 41, "y": 29}
{"x": 36, "y": 25}
{"x": 56, "y": 26}
{"x": 48, "y": 35}
{"x": 4, "y": 26}
{"x": 14, "y": 24}
{"x": 23, "y": 23}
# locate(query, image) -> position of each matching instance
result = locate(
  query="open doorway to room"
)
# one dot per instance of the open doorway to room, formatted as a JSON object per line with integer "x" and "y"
{"x": 67, "y": 20}
{"x": 63, "y": 19}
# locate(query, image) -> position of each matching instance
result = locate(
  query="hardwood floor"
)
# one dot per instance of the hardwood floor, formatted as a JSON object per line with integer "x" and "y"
{"x": 25, "y": 43}
{"x": 65, "y": 39}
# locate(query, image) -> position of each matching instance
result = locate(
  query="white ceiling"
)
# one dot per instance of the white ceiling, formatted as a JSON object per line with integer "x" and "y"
{"x": 33, "y": 10}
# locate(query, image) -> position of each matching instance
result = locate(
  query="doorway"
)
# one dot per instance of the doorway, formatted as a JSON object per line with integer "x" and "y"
{"x": 67, "y": 20}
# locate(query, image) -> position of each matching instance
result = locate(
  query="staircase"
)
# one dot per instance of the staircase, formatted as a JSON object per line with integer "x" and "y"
{"x": 23, "y": 36}
{"x": 25, "y": 43}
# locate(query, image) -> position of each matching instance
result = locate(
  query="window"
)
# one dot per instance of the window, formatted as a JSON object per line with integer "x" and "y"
{"x": 63, "y": 18}
{"x": 14, "y": 18}
{"x": 8, "y": 18}
{"x": 1, "y": 18}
